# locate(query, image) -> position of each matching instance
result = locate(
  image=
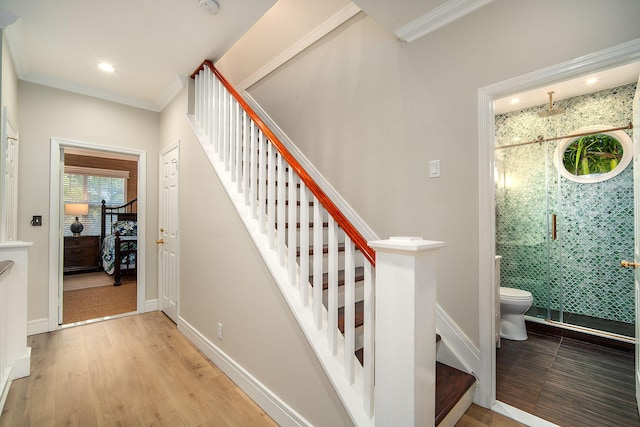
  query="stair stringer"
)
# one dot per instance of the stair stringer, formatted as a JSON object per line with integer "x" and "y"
{"x": 351, "y": 395}
{"x": 455, "y": 349}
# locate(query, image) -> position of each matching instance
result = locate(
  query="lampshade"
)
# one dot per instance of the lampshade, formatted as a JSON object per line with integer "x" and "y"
{"x": 76, "y": 209}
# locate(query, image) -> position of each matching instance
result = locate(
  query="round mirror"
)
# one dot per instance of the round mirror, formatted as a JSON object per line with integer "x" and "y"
{"x": 593, "y": 158}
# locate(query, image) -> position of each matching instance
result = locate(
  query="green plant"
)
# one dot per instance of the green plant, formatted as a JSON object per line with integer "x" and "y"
{"x": 592, "y": 154}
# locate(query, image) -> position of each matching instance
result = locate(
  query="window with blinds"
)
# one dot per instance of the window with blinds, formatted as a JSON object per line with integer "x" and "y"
{"x": 92, "y": 186}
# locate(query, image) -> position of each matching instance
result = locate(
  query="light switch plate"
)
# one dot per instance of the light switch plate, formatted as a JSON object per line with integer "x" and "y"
{"x": 434, "y": 169}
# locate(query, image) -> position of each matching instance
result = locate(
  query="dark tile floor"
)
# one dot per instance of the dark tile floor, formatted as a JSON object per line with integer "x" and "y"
{"x": 567, "y": 381}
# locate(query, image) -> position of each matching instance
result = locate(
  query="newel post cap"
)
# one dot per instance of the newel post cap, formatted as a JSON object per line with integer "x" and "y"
{"x": 405, "y": 244}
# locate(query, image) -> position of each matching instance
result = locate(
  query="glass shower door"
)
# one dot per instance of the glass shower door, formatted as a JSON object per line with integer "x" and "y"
{"x": 523, "y": 222}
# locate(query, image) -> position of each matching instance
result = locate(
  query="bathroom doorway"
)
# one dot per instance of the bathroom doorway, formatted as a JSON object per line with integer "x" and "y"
{"x": 564, "y": 205}
{"x": 578, "y": 68}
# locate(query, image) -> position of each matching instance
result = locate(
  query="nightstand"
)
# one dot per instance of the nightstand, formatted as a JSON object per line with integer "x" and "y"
{"x": 81, "y": 253}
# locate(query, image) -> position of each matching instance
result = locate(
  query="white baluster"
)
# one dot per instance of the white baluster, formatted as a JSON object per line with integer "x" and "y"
{"x": 262, "y": 184}
{"x": 332, "y": 300}
{"x": 271, "y": 194}
{"x": 219, "y": 118}
{"x": 368, "y": 338}
{"x": 233, "y": 129}
{"x": 282, "y": 228}
{"x": 225, "y": 129}
{"x": 246, "y": 155}
{"x": 210, "y": 107}
{"x": 304, "y": 245}
{"x": 198, "y": 96}
{"x": 253, "y": 175}
{"x": 292, "y": 229}
{"x": 238, "y": 157}
{"x": 349, "y": 309}
{"x": 318, "y": 227}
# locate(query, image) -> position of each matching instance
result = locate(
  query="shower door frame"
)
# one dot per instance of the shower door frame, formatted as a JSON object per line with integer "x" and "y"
{"x": 615, "y": 56}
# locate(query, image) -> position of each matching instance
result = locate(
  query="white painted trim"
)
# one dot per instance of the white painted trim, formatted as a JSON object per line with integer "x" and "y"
{"x": 55, "y": 225}
{"x": 521, "y": 416}
{"x": 437, "y": 18}
{"x": 618, "y": 55}
{"x": 325, "y": 28}
{"x": 457, "y": 344}
{"x": 151, "y": 305}
{"x": 6, "y": 385}
{"x": 38, "y": 326}
{"x": 277, "y": 409}
{"x": 21, "y": 366}
{"x": 322, "y": 182}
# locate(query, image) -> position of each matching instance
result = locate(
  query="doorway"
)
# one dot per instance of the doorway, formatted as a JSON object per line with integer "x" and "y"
{"x": 89, "y": 290}
{"x": 596, "y": 62}
{"x": 79, "y": 263}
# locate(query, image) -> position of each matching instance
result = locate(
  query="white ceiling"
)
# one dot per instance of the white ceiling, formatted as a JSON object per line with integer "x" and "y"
{"x": 153, "y": 44}
{"x": 604, "y": 80}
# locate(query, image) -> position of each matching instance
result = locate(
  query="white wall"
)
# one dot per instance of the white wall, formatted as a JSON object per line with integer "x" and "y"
{"x": 371, "y": 111}
{"x": 46, "y": 112}
{"x": 223, "y": 279}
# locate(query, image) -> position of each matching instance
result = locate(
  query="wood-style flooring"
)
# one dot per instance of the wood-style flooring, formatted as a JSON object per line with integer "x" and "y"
{"x": 567, "y": 381}
{"x": 132, "y": 371}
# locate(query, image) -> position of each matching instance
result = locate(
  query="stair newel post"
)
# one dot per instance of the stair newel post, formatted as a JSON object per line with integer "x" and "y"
{"x": 405, "y": 331}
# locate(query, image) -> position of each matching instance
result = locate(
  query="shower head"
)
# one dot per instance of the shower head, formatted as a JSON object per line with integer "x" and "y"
{"x": 551, "y": 111}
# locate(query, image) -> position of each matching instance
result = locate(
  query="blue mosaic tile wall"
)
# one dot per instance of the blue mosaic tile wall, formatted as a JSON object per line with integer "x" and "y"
{"x": 579, "y": 272}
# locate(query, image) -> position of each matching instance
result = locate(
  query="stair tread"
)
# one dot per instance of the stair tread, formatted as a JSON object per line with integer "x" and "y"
{"x": 451, "y": 385}
{"x": 325, "y": 249}
{"x": 359, "y": 276}
{"x": 359, "y": 317}
{"x": 311, "y": 224}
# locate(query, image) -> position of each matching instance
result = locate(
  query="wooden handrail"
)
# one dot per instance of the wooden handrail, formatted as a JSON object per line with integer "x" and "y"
{"x": 355, "y": 236}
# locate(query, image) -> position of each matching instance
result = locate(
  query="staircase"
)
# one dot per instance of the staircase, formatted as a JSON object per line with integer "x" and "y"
{"x": 323, "y": 265}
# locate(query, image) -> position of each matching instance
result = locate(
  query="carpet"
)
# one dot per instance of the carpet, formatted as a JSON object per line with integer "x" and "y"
{"x": 97, "y": 302}
{"x": 94, "y": 279}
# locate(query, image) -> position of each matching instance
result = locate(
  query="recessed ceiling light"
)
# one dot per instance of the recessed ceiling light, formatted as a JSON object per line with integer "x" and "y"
{"x": 108, "y": 68}
{"x": 592, "y": 80}
{"x": 515, "y": 100}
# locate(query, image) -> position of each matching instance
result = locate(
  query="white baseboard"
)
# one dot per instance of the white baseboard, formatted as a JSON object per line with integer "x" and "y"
{"x": 21, "y": 366}
{"x": 277, "y": 409}
{"x": 458, "y": 350}
{"x": 38, "y": 326}
{"x": 151, "y": 305}
{"x": 4, "y": 387}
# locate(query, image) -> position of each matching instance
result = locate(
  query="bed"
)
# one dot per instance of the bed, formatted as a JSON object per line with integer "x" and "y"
{"x": 119, "y": 240}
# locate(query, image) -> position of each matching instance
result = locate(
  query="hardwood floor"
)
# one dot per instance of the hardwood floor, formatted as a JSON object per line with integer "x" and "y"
{"x": 137, "y": 370}
{"x": 567, "y": 381}
{"x": 477, "y": 416}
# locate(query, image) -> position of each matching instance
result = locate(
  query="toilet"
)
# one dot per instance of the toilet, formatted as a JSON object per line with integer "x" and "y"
{"x": 513, "y": 304}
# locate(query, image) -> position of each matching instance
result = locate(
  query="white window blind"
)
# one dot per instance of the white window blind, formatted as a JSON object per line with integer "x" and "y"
{"x": 86, "y": 185}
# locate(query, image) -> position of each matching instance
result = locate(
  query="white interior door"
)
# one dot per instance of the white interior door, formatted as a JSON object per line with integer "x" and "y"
{"x": 636, "y": 192}
{"x": 168, "y": 245}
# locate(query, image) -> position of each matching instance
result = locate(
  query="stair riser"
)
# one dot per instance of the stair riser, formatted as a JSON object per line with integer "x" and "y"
{"x": 359, "y": 294}
{"x": 359, "y": 261}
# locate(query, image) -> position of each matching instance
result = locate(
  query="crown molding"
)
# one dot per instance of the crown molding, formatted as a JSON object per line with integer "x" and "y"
{"x": 438, "y": 17}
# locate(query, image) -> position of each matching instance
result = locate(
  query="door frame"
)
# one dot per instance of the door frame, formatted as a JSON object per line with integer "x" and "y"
{"x": 615, "y": 56}
{"x": 174, "y": 146}
{"x": 56, "y": 236}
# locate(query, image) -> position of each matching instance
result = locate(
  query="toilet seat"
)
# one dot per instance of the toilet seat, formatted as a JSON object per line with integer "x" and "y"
{"x": 511, "y": 294}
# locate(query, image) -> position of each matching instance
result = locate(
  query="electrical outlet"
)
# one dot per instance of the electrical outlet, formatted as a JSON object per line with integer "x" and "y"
{"x": 220, "y": 331}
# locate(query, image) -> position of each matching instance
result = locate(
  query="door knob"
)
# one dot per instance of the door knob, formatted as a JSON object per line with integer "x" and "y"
{"x": 627, "y": 264}
{"x": 161, "y": 241}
